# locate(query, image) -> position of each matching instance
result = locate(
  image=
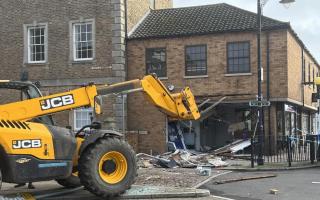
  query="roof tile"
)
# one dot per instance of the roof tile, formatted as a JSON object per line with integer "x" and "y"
{"x": 200, "y": 20}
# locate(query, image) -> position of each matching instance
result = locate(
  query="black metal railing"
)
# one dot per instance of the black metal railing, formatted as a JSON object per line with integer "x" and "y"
{"x": 287, "y": 149}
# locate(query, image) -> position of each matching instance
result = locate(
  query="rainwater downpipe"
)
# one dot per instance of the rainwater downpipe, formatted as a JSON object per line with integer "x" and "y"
{"x": 124, "y": 99}
{"x": 268, "y": 88}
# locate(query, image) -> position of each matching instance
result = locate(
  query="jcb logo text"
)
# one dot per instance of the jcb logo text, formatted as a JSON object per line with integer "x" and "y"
{"x": 56, "y": 102}
{"x": 26, "y": 144}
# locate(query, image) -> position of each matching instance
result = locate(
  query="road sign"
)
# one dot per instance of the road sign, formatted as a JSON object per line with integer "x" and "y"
{"x": 256, "y": 103}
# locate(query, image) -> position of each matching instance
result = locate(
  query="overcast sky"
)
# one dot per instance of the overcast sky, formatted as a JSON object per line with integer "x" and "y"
{"x": 304, "y": 16}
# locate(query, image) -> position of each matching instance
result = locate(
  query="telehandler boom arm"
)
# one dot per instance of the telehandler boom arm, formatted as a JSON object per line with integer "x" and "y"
{"x": 177, "y": 106}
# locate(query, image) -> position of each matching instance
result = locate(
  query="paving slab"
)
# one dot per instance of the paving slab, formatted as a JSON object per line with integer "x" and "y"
{"x": 144, "y": 192}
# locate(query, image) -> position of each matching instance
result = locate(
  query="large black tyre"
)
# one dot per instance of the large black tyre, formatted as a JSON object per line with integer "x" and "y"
{"x": 72, "y": 181}
{"x": 96, "y": 166}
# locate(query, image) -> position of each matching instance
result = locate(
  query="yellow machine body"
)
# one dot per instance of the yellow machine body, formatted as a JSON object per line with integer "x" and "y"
{"x": 31, "y": 150}
{"x": 34, "y": 152}
{"x": 31, "y": 108}
{"x": 37, "y": 139}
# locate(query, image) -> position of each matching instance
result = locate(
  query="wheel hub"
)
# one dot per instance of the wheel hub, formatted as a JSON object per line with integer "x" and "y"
{"x": 113, "y": 167}
{"x": 109, "y": 166}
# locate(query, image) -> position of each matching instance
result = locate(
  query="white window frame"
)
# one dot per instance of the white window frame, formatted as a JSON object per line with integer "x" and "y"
{"x": 88, "y": 110}
{"x": 73, "y": 38}
{"x": 27, "y": 28}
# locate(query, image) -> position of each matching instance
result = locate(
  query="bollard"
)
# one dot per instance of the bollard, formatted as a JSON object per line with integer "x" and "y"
{"x": 252, "y": 152}
{"x": 312, "y": 149}
{"x": 317, "y": 147}
{"x": 289, "y": 150}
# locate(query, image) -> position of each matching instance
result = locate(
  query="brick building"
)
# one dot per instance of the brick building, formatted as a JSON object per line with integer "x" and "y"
{"x": 213, "y": 49}
{"x": 65, "y": 44}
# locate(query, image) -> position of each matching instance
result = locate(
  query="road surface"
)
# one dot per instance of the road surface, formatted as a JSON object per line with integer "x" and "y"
{"x": 292, "y": 185}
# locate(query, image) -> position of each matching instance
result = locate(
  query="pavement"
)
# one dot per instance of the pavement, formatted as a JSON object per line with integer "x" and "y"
{"x": 51, "y": 191}
{"x": 246, "y": 166}
{"x": 180, "y": 183}
{"x": 291, "y": 185}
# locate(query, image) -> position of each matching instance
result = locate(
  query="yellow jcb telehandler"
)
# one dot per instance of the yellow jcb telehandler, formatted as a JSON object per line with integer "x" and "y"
{"x": 33, "y": 149}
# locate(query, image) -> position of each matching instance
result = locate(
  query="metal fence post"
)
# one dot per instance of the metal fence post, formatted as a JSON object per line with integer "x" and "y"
{"x": 289, "y": 150}
{"x": 252, "y": 152}
{"x": 312, "y": 149}
{"x": 318, "y": 148}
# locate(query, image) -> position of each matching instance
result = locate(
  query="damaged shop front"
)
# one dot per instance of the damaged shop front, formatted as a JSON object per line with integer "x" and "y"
{"x": 219, "y": 126}
{"x": 226, "y": 123}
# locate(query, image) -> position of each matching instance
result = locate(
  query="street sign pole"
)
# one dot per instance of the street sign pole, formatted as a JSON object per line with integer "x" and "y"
{"x": 260, "y": 117}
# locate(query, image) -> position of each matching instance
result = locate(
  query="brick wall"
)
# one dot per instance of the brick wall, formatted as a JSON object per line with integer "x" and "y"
{"x": 60, "y": 72}
{"x": 136, "y": 140}
{"x": 278, "y": 64}
{"x": 142, "y": 116}
{"x": 297, "y": 57}
{"x": 162, "y": 4}
{"x": 57, "y": 15}
{"x": 137, "y": 9}
{"x": 218, "y": 82}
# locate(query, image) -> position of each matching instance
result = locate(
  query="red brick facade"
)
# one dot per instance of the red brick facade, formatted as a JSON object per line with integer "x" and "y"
{"x": 285, "y": 75}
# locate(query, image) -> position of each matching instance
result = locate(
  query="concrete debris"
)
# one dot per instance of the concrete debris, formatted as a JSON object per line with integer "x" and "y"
{"x": 162, "y": 162}
{"x": 171, "y": 146}
{"x": 217, "y": 162}
{"x": 232, "y": 148}
{"x": 147, "y": 164}
{"x": 203, "y": 171}
{"x": 167, "y": 163}
{"x": 152, "y": 177}
{"x": 274, "y": 191}
{"x": 180, "y": 158}
{"x": 244, "y": 144}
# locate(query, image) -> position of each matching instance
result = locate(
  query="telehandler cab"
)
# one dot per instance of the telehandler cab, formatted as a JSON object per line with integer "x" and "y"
{"x": 33, "y": 149}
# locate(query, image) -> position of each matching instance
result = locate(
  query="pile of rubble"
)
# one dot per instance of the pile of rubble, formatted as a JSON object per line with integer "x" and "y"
{"x": 180, "y": 158}
{"x": 192, "y": 159}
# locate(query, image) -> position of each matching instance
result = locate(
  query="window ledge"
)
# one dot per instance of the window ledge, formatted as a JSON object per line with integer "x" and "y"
{"x": 239, "y": 74}
{"x": 200, "y": 76}
{"x": 163, "y": 78}
{"x": 82, "y": 62}
{"x": 37, "y": 64}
